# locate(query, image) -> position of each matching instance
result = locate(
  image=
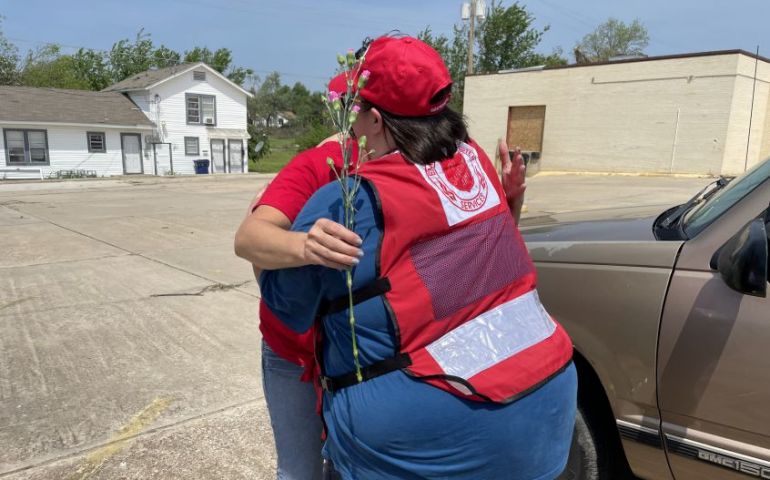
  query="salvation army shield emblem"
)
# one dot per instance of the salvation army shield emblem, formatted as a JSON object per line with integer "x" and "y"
{"x": 463, "y": 186}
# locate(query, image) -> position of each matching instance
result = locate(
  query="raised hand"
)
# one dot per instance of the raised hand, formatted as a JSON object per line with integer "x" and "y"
{"x": 513, "y": 178}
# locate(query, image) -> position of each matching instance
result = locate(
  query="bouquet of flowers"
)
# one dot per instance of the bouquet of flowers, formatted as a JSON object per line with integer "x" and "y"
{"x": 343, "y": 110}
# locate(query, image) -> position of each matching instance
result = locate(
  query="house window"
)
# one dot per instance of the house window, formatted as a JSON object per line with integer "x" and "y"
{"x": 26, "y": 147}
{"x": 191, "y": 146}
{"x": 96, "y": 142}
{"x": 199, "y": 75}
{"x": 201, "y": 109}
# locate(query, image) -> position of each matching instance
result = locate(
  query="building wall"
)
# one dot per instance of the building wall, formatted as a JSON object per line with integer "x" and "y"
{"x": 764, "y": 150}
{"x": 68, "y": 150}
{"x": 230, "y": 114}
{"x": 662, "y": 116}
{"x": 749, "y": 107}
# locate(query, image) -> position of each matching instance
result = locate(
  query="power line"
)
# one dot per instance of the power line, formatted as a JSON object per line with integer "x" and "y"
{"x": 591, "y": 23}
{"x": 570, "y": 13}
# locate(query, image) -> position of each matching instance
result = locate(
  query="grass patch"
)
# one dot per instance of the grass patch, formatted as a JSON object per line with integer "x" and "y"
{"x": 281, "y": 151}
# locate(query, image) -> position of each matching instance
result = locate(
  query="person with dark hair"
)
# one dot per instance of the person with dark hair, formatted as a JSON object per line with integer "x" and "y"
{"x": 265, "y": 241}
{"x": 464, "y": 374}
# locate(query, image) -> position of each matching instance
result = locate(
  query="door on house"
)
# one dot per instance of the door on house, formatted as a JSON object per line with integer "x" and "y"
{"x": 235, "y": 156}
{"x": 164, "y": 164}
{"x": 131, "y": 145}
{"x": 525, "y": 129}
{"x": 218, "y": 156}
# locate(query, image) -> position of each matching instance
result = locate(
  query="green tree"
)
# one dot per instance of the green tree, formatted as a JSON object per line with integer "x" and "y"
{"x": 220, "y": 60}
{"x": 165, "y": 57}
{"x": 269, "y": 99}
{"x": 48, "y": 67}
{"x": 127, "y": 58}
{"x": 9, "y": 60}
{"x": 257, "y": 135}
{"x": 506, "y": 39}
{"x": 313, "y": 135}
{"x": 455, "y": 55}
{"x": 613, "y": 38}
{"x": 554, "y": 59}
{"x": 92, "y": 67}
{"x": 307, "y": 106}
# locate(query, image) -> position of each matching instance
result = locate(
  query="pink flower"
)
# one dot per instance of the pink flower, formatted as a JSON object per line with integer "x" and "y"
{"x": 363, "y": 78}
{"x": 356, "y": 108}
{"x": 333, "y": 96}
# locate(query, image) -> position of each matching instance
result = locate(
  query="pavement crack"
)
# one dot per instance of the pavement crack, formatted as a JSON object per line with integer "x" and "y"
{"x": 16, "y": 302}
{"x": 217, "y": 287}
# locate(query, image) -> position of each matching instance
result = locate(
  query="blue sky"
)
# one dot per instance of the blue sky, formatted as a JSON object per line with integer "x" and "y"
{"x": 300, "y": 38}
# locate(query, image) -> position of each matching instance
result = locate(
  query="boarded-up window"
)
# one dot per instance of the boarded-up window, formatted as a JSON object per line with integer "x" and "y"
{"x": 525, "y": 127}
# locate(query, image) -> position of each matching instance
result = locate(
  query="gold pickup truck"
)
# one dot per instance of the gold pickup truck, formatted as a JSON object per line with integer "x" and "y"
{"x": 669, "y": 314}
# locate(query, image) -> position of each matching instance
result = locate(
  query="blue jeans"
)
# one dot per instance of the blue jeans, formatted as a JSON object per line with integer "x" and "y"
{"x": 296, "y": 426}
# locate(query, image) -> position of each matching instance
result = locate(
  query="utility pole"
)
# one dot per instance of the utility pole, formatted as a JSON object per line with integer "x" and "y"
{"x": 471, "y": 32}
{"x": 470, "y": 11}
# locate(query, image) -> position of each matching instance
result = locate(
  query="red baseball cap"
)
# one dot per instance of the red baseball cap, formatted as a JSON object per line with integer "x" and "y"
{"x": 405, "y": 75}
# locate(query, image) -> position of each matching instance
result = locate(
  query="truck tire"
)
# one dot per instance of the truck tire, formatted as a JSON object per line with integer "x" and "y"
{"x": 583, "y": 462}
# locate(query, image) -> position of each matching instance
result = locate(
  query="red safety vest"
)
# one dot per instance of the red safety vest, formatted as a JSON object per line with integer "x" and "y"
{"x": 461, "y": 288}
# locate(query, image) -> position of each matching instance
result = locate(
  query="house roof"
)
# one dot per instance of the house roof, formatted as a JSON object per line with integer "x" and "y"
{"x": 146, "y": 79}
{"x": 55, "y": 105}
{"x": 151, "y": 78}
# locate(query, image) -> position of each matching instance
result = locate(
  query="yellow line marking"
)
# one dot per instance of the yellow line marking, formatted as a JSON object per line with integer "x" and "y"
{"x": 94, "y": 461}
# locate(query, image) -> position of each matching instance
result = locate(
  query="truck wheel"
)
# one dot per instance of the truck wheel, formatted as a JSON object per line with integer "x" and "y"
{"x": 583, "y": 462}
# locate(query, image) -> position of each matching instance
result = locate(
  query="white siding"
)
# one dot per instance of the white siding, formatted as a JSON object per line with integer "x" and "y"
{"x": 68, "y": 150}
{"x": 230, "y": 114}
{"x": 142, "y": 100}
{"x": 623, "y": 117}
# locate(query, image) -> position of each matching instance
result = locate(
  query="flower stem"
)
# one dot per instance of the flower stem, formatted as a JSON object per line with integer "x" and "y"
{"x": 352, "y": 318}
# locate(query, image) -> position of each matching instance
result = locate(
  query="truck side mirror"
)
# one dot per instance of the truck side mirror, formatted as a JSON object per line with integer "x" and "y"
{"x": 742, "y": 262}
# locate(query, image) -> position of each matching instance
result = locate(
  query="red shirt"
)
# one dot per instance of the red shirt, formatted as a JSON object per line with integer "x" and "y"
{"x": 288, "y": 192}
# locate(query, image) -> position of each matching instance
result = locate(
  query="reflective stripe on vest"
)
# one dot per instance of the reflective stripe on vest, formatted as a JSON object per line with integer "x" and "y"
{"x": 493, "y": 336}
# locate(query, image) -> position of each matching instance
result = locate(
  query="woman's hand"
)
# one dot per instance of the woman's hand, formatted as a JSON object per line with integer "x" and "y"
{"x": 330, "y": 244}
{"x": 513, "y": 178}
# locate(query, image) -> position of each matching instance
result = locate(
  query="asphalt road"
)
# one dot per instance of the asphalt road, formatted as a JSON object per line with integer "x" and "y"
{"x": 128, "y": 332}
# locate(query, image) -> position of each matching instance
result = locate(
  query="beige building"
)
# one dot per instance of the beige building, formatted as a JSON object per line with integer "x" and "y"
{"x": 701, "y": 113}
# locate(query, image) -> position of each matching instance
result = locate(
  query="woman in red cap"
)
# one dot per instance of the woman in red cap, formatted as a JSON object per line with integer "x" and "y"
{"x": 464, "y": 374}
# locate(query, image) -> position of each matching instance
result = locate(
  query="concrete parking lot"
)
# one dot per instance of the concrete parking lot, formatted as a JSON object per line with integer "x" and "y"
{"x": 129, "y": 345}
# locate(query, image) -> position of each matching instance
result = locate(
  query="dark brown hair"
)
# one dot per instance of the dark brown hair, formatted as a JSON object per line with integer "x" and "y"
{"x": 424, "y": 140}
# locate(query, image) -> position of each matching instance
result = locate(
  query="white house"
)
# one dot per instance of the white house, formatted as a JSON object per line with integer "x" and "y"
{"x": 157, "y": 122}
{"x": 48, "y": 130}
{"x": 697, "y": 113}
{"x": 198, "y": 114}
{"x": 279, "y": 120}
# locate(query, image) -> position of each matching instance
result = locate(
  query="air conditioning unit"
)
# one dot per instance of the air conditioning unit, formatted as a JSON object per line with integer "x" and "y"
{"x": 208, "y": 121}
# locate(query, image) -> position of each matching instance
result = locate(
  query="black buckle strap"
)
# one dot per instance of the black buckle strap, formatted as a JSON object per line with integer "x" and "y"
{"x": 374, "y": 289}
{"x": 333, "y": 384}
